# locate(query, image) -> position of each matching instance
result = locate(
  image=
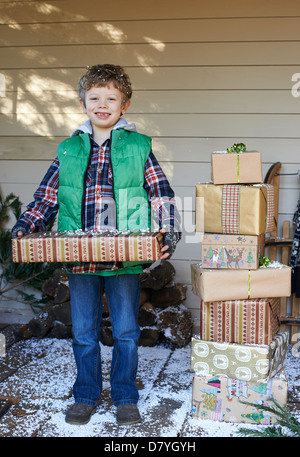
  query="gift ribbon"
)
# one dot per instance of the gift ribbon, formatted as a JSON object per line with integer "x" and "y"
{"x": 270, "y": 207}
{"x": 231, "y": 208}
{"x": 249, "y": 281}
{"x": 238, "y": 167}
{"x": 237, "y": 148}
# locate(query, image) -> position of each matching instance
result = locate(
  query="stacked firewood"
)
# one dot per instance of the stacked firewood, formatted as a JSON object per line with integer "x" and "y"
{"x": 162, "y": 314}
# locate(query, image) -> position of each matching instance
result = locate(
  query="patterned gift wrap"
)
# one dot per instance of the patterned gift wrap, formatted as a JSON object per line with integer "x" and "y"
{"x": 87, "y": 247}
{"x": 231, "y": 251}
{"x": 219, "y": 398}
{"x": 240, "y": 321}
{"x": 235, "y": 209}
{"x": 246, "y": 362}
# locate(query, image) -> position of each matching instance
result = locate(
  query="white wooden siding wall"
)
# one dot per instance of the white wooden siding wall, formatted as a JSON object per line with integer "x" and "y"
{"x": 205, "y": 74}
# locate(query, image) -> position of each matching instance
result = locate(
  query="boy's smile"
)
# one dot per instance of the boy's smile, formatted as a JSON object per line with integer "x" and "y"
{"x": 104, "y": 106}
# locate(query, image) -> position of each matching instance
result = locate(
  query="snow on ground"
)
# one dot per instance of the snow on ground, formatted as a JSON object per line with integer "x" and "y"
{"x": 44, "y": 385}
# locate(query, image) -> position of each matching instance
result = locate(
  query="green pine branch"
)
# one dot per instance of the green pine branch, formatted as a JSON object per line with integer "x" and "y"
{"x": 16, "y": 275}
{"x": 284, "y": 420}
{"x": 11, "y": 202}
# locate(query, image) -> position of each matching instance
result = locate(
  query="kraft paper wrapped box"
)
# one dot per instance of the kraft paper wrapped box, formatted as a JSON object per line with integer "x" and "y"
{"x": 232, "y": 251}
{"x": 220, "y": 398}
{"x": 78, "y": 246}
{"x": 236, "y": 168}
{"x": 235, "y": 209}
{"x": 246, "y": 362}
{"x": 240, "y": 321}
{"x": 235, "y": 284}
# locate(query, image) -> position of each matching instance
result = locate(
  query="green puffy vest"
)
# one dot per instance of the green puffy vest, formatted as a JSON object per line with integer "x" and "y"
{"x": 129, "y": 153}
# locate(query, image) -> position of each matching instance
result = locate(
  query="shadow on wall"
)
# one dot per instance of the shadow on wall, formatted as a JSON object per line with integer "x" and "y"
{"x": 44, "y": 59}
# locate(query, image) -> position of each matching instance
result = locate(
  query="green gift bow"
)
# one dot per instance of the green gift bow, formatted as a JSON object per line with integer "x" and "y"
{"x": 237, "y": 147}
{"x": 264, "y": 261}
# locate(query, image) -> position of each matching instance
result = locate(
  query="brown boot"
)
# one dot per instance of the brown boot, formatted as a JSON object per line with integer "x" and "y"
{"x": 128, "y": 414}
{"x": 79, "y": 413}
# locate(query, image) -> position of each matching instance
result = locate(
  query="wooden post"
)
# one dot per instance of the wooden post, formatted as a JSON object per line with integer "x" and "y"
{"x": 273, "y": 177}
{"x": 285, "y": 261}
{"x": 295, "y": 313}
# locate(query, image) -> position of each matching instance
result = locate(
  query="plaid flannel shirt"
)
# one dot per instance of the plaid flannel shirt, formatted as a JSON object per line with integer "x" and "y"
{"x": 45, "y": 206}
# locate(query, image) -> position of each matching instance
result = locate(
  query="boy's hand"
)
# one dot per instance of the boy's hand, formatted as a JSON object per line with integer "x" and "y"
{"x": 169, "y": 243}
{"x": 163, "y": 249}
{"x": 17, "y": 233}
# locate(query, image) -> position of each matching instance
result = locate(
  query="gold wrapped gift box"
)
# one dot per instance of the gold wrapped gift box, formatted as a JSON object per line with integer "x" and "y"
{"x": 87, "y": 247}
{"x": 235, "y": 209}
{"x": 236, "y": 168}
{"x": 226, "y": 284}
{"x": 240, "y": 321}
{"x": 247, "y": 362}
{"x": 232, "y": 251}
{"x": 220, "y": 399}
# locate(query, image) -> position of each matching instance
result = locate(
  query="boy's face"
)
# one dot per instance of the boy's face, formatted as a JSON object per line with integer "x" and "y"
{"x": 104, "y": 106}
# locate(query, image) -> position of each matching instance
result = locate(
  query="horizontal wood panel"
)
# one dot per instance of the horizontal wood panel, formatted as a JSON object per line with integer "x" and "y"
{"x": 146, "y": 55}
{"x": 180, "y": 174}
{"x": 37, "y": 80}
{"x": 218, "y": 125}
{"x": 75, "y": 10}
{"x": 156, "y": 32}
{"x": 170, "y": 125}
{"x": 166, "y": 149}
{"x": 171, "y": 101}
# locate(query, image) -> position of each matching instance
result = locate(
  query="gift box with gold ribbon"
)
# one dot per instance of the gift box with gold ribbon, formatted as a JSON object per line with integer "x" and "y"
{"x": 106, "y": 246}
{"x": 236, "y": 167}
{"x": 271, "y": 281}
{"x": 235, "y": 209}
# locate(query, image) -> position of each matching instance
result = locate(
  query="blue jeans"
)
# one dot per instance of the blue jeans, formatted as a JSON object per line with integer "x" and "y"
{"x": 123, "y": 297}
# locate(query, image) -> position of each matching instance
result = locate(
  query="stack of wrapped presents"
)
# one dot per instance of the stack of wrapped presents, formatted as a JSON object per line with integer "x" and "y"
{"x": 240, "y": 353}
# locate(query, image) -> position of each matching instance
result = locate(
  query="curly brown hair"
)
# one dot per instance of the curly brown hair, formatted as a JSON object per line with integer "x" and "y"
{"x": 102, "y": 75}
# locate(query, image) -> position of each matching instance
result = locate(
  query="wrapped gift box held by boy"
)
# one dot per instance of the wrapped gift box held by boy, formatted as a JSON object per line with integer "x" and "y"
{"x": 81, "y": 246}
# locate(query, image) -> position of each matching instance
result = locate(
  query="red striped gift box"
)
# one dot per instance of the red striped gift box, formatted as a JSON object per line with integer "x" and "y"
{"x": 87, "y": 247}
{"x": 240, "y": 321}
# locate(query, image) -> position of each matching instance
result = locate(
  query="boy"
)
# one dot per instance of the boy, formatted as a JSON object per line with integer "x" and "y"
{"x": 105, "y": 176}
